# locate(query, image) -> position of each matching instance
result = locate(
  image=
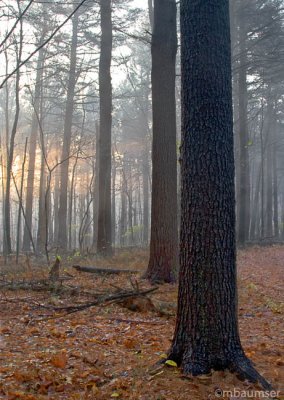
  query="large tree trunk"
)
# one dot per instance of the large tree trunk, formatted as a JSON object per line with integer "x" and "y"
{"x": 206, "y": 334}
{"x": 104, "y": 242}
{"x": 62, "y": 214}
{"x": 163, "y": 261}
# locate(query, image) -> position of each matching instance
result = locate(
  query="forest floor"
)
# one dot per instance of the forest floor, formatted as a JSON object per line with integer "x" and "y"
{"x": 109, "y": 351}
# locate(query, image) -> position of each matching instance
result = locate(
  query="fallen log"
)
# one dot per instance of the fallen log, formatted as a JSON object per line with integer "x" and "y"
{"x": 106, "y": 271}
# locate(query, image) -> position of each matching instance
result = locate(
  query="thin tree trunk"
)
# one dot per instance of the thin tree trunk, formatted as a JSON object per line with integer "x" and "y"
{"x": 269, "y": 191}
{"x": 70, "y": 221}
{"x": 104, "y": 242}
{"x": 244, "y": 178}
{"x": 21, "y": 203}
{"x": 268, "y": 187}
{"x": 145, "y": 174}
{"x": 255, "y": 205}
{"x": 56, "y": 204}
{"x": 113, "y": 202}
{"x": 151, "y": 13}
{"x": 10, "y": 158}
{"x": 96, "y": 192}
{"x": 41, "y": 232}
{"x": 63, "y": 200}
{"x": 275, "y": 186}
{"x": 123, "y": 224}
{"x": 32, "y": 152}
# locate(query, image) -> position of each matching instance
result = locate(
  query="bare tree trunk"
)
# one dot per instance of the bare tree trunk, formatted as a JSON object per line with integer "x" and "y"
{"x": 21, "y": 203}
{"x": 151, "y": 13}
{"x": 244, "y": 182}
{"x": 41, "y": 232}
{"x": 56, "y": 205}
{"x": 104, "y": 243}
{"x": 275, "y": 186}
{"x": 72, "y": 187}
{"x": 113, "y": 202}
{"x": 282, "y": 216}
{"x": 269, "y": 167}
{"x": 32, "y": 152}
{"x": 206, "y": 334}
{"x": 10, "y": 157}
{"x": 3, "y": 196}
{"x": 123, "y": 213}
{"x": 5, "y": 156}
{"x": 63, "y": 200}
{"x": 130, "y": 202}
{"x": 96, "y": 192}
{"x": 145, "y": 174}
{"x": 255, "y": 205}
{"x": 163, "y": 262}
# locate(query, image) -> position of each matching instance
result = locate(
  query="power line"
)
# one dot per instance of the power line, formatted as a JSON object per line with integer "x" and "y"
{"x": 57, "y": 2}
{"x": 42, "y": 45}
{"x": 15, "y": 24}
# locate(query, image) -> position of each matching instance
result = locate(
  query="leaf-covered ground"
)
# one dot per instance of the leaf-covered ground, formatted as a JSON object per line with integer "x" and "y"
{"x": 108, "y": 351}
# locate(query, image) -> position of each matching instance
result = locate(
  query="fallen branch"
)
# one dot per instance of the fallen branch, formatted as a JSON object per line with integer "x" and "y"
{"x": 106, "y": 271}
{"x": 105, "y": 299}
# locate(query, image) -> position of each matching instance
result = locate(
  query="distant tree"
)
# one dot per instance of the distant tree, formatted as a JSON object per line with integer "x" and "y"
{"x": 243, "y": 140}
{"x": 62, "y": 214}
{"x": 104, "y": 240}
{"x": 11, "y": 136}
{"x": 257, "y": 75}
{"x": 36, "y": 100}
{"x": 206, "y": 335}
{"x": 163, "y": 260}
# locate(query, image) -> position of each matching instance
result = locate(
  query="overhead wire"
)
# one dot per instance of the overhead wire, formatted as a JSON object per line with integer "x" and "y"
{"x": 15, "y": 24}
{"x": 43, "y": 44}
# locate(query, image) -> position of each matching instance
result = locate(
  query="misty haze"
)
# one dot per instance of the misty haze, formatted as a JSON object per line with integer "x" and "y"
{"x": 141, "y": 199}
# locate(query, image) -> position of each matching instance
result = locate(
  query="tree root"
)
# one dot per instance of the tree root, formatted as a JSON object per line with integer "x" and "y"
{"x": 244, "y": 368}
{"x": 238, "y": 364}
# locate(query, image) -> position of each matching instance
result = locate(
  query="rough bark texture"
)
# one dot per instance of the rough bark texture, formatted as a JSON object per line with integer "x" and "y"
{"x": 206, "y": 334}
{"x": 164, "y": 234}
{"x": 104, "y": 242}
{"x": 62, "y": 214}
